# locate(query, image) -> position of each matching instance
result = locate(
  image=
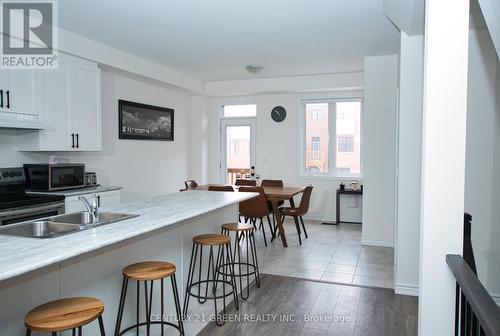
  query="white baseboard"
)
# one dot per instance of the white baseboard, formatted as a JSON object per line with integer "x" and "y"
{"x": 329, "y": 219}
{"x": 373, "y": 242}
{"x": 406, "y": 289}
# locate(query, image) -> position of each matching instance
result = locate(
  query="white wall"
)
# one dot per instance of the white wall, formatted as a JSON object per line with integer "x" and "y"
{"x": 379, "y": 138}
{"x": 278, "y": 149}
{"x": 10, "y": 156}
{"x": 407, "y": 242}
{"x": 482, "y": 166}
{"x": 199, "y": 124}
{"x": 143, "y": 168}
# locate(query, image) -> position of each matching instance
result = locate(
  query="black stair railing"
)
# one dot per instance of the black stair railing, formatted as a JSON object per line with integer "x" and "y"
{"x": 475, "y": 311}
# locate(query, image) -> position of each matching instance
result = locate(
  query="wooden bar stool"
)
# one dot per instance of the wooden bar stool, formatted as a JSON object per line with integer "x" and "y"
{"x": 245, "y": 233}
{"x": 144, "y": 272}
{"x": 65, "y": 314}
{"x": 224, "y": 257}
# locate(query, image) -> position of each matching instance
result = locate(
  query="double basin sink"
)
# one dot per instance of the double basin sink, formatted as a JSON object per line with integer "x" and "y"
{"x": 63, "y": 224}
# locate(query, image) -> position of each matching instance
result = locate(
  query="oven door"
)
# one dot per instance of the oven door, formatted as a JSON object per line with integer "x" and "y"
{"x": 18, "y": 215}
{"x": 66, "y": 176}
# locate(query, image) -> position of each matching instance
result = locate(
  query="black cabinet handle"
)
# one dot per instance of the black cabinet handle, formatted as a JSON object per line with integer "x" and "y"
{"x": 98, "y": 201}
{"x": 72, "y": 140}
{"x": 8, "y": 99}
{"x": 1, "y": 98}
{"x": 77, "y": 140}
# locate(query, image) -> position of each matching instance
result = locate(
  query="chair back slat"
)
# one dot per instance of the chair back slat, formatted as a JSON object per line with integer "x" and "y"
{"x": 220, "y": 188}
{"x": 244, "y": 182}
{"x": 255, "y": 207}
{"x": 272, "y": 183}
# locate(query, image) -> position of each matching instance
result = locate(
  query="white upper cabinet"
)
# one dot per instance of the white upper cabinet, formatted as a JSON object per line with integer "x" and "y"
{"x": 70, "y": 108}
{"x": 55, "y": 109}
{"x": 19, "y": 92}
{"x": 87, "y": 108}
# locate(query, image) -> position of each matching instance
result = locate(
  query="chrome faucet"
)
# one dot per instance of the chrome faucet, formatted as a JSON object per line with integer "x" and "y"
{"x": 92, "y": 207}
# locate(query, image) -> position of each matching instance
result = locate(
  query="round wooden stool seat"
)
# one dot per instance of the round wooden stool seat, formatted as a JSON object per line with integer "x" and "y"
{"x": 64, "y": 314}
{"x": 239, "y": 227}
{"x": 212, "y": 239}
{"x": 149, "y": 270}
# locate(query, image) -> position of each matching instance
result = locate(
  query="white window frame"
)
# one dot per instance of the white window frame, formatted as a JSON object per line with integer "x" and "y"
{"x": 332, "y": 145}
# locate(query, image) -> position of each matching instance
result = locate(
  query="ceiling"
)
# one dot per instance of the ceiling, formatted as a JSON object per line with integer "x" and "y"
{"x": 216, "y": 39}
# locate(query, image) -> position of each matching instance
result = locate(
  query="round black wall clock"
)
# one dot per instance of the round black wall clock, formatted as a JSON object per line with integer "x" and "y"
{"x": 278, "y": 113}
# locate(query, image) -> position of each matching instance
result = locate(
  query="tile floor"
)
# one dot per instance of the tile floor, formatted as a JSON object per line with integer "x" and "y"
{"x": 331, "y": 254}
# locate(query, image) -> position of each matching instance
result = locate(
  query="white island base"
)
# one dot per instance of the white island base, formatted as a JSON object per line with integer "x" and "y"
{"x": 98, "y": 274}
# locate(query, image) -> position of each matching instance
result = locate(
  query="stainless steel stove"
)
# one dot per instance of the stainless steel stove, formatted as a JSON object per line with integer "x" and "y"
{"x": 18, "y": 206}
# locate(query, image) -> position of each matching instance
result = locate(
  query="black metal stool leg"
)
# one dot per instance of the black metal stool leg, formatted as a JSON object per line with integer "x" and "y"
{"x": 146, "y": 307}
{"x": 80, "y": 332}
{"x": 101, "y": 326}
{"x": 191, "y": 271}
{"x": 121, "y": 306}
{"x": 137, "y": 310}
{"x": 162, "y": 307}
{"x": 232, "y": 275}
{"x": 254, "y": 258}
{"x": 28, "y": 332}
{"x": 177, "y": 304}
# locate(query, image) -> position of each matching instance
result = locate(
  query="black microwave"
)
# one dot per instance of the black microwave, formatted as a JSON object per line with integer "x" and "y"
{"x": 51, "y": 177}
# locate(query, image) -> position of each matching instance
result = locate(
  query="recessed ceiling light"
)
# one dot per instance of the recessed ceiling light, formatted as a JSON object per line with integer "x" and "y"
{"x": 254, "y": 69}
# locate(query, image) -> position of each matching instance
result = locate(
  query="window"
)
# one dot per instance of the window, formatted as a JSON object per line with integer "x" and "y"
{"x": 317, "y": 115}
{"x": 239, "y": 110}
{"x": 346, "y": 144}
{"x": 315, "y": 148}
{"x": 235, "y": 148}
{"x": 332, "y": 147}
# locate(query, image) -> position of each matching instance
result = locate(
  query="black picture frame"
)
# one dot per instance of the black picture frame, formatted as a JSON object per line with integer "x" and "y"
{"x": 158, "y": 122}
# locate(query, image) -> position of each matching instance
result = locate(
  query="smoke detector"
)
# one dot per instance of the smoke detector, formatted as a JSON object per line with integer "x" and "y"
{"x": 254, "y": 69}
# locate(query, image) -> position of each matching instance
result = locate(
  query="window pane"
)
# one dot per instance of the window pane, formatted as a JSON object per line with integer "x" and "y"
{"x": 316, "y": 139}
{"x": 239, "y": 110}
{"x": 348, "y": 155}
{"x": 238, "y": 147}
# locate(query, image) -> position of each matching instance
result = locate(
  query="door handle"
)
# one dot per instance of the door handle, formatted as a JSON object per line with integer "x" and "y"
{"x": 72, "y": 140}
{"x": 1, "y": 98}
{"x": 7, "y": 93}
{"x": 99, "y": 201}
{"x": 77, "y": 140}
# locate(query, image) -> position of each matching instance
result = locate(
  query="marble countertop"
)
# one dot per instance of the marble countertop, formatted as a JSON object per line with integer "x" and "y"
{"x": 20, "y": 255}
{"x": 80, "y": 191}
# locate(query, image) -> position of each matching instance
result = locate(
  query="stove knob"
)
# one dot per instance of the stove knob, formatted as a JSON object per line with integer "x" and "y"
{"x": 5, "y": 174}
{"x": 19, "y": 173}
{"x": 12, "y": 174}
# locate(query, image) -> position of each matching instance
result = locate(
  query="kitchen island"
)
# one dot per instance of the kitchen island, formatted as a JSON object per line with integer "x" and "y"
{"x": 89, "y": 263}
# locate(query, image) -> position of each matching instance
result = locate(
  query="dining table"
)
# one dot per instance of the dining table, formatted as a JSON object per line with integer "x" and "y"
{"x": 273, "y": 195}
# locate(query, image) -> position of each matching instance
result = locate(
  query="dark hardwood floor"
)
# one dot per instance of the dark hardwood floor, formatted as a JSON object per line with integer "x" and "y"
{"x": 290, "y": 306}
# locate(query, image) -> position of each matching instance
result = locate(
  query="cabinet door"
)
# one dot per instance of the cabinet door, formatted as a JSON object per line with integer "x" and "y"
{"x": 4, "y": 82}
{"x": 87, "y": 108}
{"x": 109, "y": 198}
{"x": 20, "y": 91}
{"x": 56, "y": 107}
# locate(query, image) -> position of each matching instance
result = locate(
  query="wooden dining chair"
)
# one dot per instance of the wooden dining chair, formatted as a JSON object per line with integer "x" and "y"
{"x": 297, "y": 213}
{"x": 220, "y": 188}
{"x": 191, "y": 184}
{"x": 273, "y": 184}
{"x": 256, "y": 208}
{"x": 244, "y": 182}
